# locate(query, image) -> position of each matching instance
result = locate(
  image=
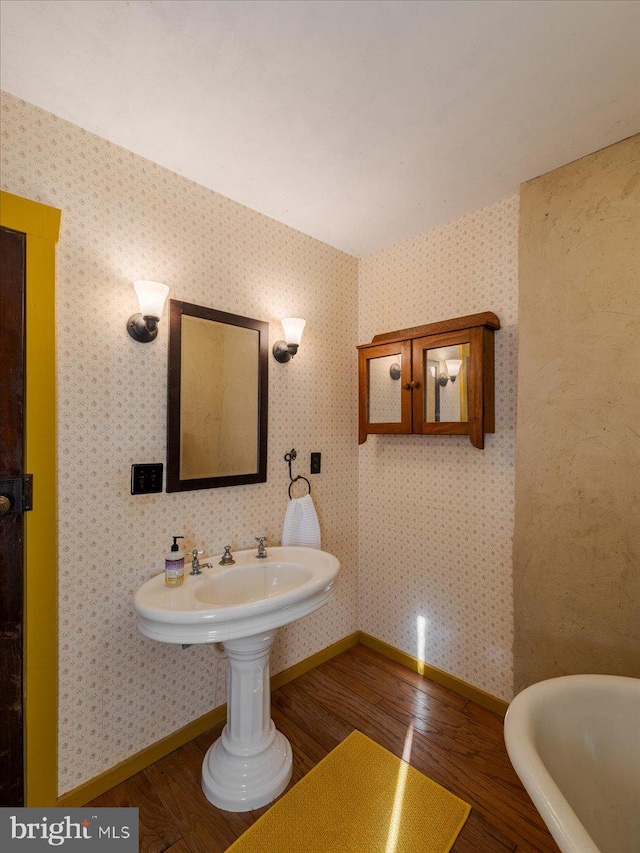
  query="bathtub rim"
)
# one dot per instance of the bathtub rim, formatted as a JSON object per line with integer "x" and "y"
{"x": 566, "y": 828}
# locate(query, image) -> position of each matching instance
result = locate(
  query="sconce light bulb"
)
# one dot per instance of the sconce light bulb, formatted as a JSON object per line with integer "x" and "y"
{"x": 293, "y": 328}
{"x": 453, "y": 367}
{"x": 283, "y": 351}
{"x": 152, "y": 295}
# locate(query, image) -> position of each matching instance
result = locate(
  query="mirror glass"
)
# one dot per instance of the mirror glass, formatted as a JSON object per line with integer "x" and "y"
{"x": 217, "y": 399}
{"x": 446, "y": 379}
{"x": 385, "y": 405}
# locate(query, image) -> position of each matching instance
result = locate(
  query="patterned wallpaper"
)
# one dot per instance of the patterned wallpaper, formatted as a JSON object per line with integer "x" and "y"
{"x": 436, "y": 515}
{"x": 125, "y": 218}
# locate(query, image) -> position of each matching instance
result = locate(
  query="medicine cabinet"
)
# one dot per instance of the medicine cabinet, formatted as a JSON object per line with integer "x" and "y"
{"x": 436, "y": 379}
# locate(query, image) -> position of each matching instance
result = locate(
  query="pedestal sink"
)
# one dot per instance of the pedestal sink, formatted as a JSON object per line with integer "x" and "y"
{"x": 242, "y": 606}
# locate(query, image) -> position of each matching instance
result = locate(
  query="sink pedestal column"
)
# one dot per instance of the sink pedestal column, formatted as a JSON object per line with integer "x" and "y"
{"x": 250, "y": 764}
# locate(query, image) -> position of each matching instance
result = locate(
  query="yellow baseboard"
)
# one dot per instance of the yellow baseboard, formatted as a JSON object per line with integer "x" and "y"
{"x": 135, "y": 763}
{"x": 487, "y": 700}
{"x": 130, "y": 766}
{"x": 313, "y": 661}
{"x": 114, "y": 775}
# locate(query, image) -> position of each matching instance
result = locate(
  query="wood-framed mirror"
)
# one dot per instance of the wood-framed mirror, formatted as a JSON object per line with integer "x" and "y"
{"x": 217, "y": 398}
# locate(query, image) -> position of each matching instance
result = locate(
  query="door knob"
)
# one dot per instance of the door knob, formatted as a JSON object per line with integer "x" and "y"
{"x": 5, "y": 504}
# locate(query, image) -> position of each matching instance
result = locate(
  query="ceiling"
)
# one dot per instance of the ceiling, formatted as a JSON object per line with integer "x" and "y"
{"x": 359, "y": 122}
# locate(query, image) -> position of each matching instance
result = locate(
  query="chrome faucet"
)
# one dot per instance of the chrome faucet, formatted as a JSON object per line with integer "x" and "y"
{"x": 262, "y": 551}
{"x": 227, "y": 559}
{"x": 196, "y": 565}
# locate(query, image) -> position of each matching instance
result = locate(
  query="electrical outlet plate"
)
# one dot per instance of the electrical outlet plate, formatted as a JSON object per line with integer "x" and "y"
{"x": 316, "y": 463}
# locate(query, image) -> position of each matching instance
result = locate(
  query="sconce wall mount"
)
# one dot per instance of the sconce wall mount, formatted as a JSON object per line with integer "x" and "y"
{"x": 453, "y": 369}
{"x": 283, "y": 351}
{"x": 143, "y": 326}
{"x": 142, "y": 329}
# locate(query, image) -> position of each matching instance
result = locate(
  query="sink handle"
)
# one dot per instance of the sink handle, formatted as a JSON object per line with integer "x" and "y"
{"x": 262, "y": 551}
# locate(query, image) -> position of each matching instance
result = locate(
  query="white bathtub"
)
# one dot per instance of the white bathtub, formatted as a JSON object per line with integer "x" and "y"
{"x": 575, "y": 744}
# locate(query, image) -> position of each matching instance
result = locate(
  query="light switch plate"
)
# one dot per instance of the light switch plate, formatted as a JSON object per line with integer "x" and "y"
{"x": 146, "y": 478}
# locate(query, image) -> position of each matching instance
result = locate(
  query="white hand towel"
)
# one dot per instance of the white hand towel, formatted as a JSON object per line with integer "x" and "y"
{"x": 301, "y": 525}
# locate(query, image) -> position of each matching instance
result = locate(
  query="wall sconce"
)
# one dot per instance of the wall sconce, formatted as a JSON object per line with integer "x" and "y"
{"x": 152, "y": 295}
{"x": 453, "y": 369}
{"x": 292, "y": 327}
{"x": 395, "y": 371}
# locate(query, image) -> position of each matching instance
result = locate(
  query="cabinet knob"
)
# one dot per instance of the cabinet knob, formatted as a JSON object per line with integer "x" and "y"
{"x": 415, "y": 384}
{"x": 407, "y": 386}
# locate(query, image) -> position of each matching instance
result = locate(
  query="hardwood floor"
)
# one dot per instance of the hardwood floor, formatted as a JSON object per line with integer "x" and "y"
{"x": 455, "y": 742}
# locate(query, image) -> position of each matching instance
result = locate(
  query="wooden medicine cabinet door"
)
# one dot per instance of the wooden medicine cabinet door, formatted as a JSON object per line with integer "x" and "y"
{"x": 384, "y": 395}
{"x": 436, "y": 379}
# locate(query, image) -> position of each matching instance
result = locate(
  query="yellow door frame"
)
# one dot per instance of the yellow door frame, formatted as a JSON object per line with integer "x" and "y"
{"x": 41, "y": 224}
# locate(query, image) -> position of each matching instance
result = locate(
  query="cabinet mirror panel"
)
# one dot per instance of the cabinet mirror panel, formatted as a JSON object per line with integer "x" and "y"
{"x": 217, "y": 399}
{"x": 385, "y": 389}
{"x": 446, "y": 380}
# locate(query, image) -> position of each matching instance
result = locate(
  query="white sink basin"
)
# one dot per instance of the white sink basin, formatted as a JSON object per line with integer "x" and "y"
{"x": 253, "y": 584}
{"x": 225, "y": 603}
{"x": 242, "y": 606}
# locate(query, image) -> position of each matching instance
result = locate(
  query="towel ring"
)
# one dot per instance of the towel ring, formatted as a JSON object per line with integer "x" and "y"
{"x": 295, "y": 480}
{"x": 288, "y": 458}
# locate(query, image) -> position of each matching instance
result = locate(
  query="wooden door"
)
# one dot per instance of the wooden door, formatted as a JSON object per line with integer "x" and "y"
{"x": 429, "y": 354}
{"x": 384, "y": 383}
{"x": 473, "y": 386}
{"x": 12, "y": 411}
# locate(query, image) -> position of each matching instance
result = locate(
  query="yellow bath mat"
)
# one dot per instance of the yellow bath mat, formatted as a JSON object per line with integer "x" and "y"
{"x": 359, "y": 799}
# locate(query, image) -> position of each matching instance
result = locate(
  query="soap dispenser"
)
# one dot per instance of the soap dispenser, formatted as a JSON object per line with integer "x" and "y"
{"x": 174, "y": 565}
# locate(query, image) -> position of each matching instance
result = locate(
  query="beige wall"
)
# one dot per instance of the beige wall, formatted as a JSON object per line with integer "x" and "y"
{"x": 577, "y": 533}
{"x": 436, "y": 515}
{"x": 124, "y": 218}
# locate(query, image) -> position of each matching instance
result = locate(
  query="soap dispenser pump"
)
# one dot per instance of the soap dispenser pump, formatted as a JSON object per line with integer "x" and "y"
{"x": 174, "y": 565}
